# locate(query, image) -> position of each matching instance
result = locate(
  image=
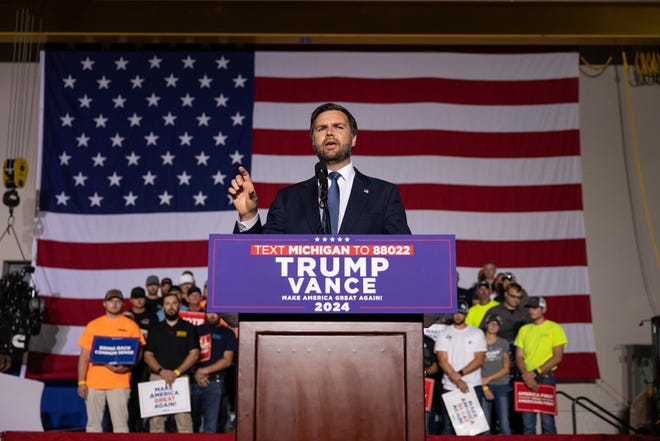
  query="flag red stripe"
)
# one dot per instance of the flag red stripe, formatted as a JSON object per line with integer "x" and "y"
{"x": 429, "y": 142}
{"x": 406, "y": 90}
{"x": 509, "y": 199}
{"x": 578, "y": 367}
{"x": 470, "y": 253}
{"x": 569, "y": 309}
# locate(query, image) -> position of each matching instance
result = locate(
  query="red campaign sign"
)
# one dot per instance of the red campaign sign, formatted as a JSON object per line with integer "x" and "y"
{"x": 428, "y": 393}
{"x": 544, "y": 400}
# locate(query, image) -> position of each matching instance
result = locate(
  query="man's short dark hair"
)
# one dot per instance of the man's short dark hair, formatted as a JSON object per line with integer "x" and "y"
{"x": 332, "y": 106}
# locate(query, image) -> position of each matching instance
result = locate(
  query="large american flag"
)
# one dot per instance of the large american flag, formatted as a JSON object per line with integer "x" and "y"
{"x": 138, "y": 149}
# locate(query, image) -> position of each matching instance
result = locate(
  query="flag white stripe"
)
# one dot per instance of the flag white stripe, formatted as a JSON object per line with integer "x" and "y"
{"x": 484, "y": 67}
{"x": 428, "y": 116}
{"x": 546, "y": 281}
{"x": 431, "y": 170}
{"x": 63, "y": 340}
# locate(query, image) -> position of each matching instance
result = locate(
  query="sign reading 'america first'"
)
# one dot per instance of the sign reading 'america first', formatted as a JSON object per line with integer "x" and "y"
{"x": 353, "y": 274}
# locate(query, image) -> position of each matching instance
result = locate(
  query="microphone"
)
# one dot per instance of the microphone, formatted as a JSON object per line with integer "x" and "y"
{"x": 321, "y": 172}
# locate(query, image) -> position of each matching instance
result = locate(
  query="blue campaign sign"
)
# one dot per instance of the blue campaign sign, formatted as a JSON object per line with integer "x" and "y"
{"x": 354, "y": 274}
{"x": 114, "y": 350}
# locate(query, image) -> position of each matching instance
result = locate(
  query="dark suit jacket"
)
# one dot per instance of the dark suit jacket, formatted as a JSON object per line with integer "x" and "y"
{"x": 374, "y": 207}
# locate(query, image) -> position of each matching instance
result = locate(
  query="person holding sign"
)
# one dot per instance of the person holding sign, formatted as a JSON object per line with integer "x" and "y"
{"x": 461, "y": 350}
{"x": 104, "y": 342}
{"x": 172, "y": 349}
{"x": 365, "y": 205}
{"x": 539, "y": 349}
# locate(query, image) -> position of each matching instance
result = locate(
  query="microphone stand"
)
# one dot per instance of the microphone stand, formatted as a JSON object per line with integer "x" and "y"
{"x": 321, "y": 173}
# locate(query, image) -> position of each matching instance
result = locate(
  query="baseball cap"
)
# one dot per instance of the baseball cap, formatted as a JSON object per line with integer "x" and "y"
{"x": 494, "y": 318}
{"x": 536, "y": 302}
{"x": 152, "y": 280}
{"x": 462, "y": 308}
{"x": 195, "y": 289}
{"x": 185, "y": 278}
{"x": 114, "y": 293}
{"x": 484, "y": 283}
{"x": 138, "y": 292}
{"x": 166, "y": 281}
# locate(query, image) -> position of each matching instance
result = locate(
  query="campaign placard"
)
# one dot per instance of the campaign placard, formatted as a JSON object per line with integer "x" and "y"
{"x": 429, "y": 384}
{"x": 348, "y": 274}
{"x": 465, "y": 412}
{"x": 195, "y": 318}
{"x": 157, "y": 398}
{"x": 544, "y": 400}
{"x": 114, "y": 350}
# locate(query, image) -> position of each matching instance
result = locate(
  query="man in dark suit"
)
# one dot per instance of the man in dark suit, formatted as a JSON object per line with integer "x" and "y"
{"x": 366, "y": 205}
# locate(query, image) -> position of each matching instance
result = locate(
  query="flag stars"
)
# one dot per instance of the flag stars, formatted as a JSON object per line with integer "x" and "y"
{"x": 165, "y": 198}
{"x": 219, "y": 178}
{"x": 132, "y": 159}
{"x": 220, "y": 139}
{"x": 99, "y": 160}
{"x": 203, "y": 120}
{"x": 149, "y": 178}
{"x": 104, "y": 83}
{"x": 151, "y": 139}
{"x": 67, "y": 120}
{"x": 115, "y": 179}
{"x": 222, "y": 62}
{"x": 100, "y": 120}
{"x": 168, "y": 158}
{"x": 69, "y": 82}
{"x": 202, "y": 158}
{"x": 117, "y": 141}
{"x": 62, "y": 198}
{"x": 85, "y": 101}
{"x": 187, "y": 101}
{"x": 185, "y": 139}
{"x": 184, "y": 178}
{"x": 205, "y": 81}
{"x": 64, "y": 158}
{"x": 221, "y": 101}
{"x": 130, "y": 199}
{"x": 237, "y": 119}
{"x": 171, "y": 81}
{"x": 83, "y": 140}
{"x": 121, "y": 63}
{"x": 136, "y": 82}
{"x": 239, "y": 81}
{"x": 79, "y": 180}
{"x": 154, "y": 62}
{"x": 119, "y": 101}
{"x": 188, "y": 62}
{"x": 169, "y": 119}
{"x": 95, "y": 200}
{"x": 200, "y": 198}
{"x": 134, "y": 119}
{"x": 153, "y": 100}
{"x": 87, "y": 64}
{"x": 236, "y": 157}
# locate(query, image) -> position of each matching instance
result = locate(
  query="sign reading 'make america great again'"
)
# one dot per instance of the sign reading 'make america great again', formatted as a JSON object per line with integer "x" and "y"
{"x": 354, "y": 274}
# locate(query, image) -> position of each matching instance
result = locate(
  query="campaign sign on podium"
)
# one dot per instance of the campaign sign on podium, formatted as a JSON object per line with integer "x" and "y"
{"x": 351, "y": 274}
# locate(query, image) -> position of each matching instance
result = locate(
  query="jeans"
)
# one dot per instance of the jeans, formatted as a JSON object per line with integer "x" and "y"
{"x": 447, "y": 428}
{"x": 205, "y": 404}
{"x": 501, "y": 402}
{"x": 547, "y": 420}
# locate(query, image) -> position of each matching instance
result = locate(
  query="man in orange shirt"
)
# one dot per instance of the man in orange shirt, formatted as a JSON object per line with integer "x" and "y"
{"x": 99, "y": 384}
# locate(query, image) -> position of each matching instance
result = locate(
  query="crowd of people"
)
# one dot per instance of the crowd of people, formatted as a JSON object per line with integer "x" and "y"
{"x": 498, "y": 335}
{"x": 177, "y": 338}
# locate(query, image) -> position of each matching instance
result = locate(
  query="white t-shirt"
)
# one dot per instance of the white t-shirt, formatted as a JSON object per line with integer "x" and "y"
{"x": 460, "y": 346}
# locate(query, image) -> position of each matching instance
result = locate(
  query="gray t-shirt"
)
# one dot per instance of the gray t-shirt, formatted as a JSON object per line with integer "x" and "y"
{"x": 494, "y": 361}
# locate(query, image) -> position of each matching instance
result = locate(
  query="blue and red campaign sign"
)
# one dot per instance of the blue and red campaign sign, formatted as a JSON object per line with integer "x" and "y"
{"x": 354, "y": 274}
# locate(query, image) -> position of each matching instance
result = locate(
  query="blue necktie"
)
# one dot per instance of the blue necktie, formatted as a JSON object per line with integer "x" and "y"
{"x": 333, "y": 201}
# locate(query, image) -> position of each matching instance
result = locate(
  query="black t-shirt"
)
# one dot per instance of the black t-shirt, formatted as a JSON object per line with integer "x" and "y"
{"x": 154, "y": 304}
{"x": 145, "y": 320}
{"x": 171, "y": 344}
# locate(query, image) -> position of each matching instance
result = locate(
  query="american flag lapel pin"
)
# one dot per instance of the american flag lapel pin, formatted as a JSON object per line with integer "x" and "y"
{"x": 366, "y": 191}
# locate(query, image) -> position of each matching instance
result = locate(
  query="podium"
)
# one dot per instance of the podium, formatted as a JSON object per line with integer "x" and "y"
{"x": 330, "y": 335}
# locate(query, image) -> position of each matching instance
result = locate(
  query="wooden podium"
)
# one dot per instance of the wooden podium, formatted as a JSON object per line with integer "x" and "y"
{"x": 331, "y": 380}
{"x": 330, "y": 334}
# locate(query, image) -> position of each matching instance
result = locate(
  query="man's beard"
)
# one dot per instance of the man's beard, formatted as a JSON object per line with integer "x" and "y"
{"x": 339, "y": 155}
{"x": 172, "y": 315}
